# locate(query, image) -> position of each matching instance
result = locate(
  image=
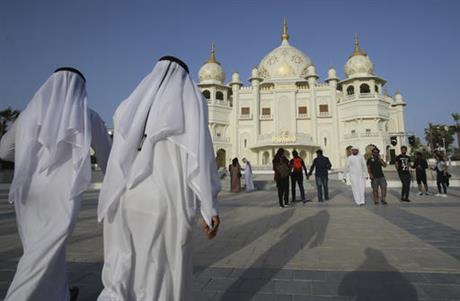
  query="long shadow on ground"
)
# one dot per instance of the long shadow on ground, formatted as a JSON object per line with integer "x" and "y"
{"x": 365, "y": 284}
{"x": 309, "y": 231}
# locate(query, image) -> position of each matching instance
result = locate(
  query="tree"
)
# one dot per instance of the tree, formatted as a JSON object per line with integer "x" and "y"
{"x": 7, "y": 117}
{"x": 439, "y": 136}
{"x": 456, "y": 127}
{"x": 419, "y": 147}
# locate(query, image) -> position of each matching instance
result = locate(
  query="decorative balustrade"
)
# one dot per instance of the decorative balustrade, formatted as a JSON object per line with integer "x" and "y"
{"x": 366, "y": 95}
{"x": 302, "y": 116}
{"x": 363, "y": 135}
{"x": 246, "y": 88}
{"x": 369, "y": 134}
{"x": 324, "y": 114}
{"x": 266, "y": 117}
{"x": 245, "y": 116}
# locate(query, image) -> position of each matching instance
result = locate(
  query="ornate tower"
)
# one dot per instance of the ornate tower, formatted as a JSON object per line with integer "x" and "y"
{"x": 218, "y": 95}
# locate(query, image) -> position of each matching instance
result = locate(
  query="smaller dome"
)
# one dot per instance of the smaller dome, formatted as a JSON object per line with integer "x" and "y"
{"x": 359, "y": 64}
{"x": 331, "y": 73}
{"x": 398, "y": 97}
{"x": 311, "y": 71}
{"x": 211, "y": 72}
{"x": 236, "y": 78}
{"x": 255, "y": 73}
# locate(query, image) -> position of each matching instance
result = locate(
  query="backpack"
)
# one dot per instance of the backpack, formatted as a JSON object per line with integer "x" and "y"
{"x": 297, "y": 164}
{"x": 283, "y": 170}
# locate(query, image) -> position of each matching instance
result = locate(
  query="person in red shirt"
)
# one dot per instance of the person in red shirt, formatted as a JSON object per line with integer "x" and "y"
{"x": 297, "y": 168}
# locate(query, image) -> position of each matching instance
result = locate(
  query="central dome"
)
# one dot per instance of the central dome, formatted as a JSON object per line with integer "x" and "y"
{"x": 284, "y": 61}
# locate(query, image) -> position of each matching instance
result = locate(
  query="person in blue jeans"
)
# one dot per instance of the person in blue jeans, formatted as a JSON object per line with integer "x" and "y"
{"x": 321, "y": 165}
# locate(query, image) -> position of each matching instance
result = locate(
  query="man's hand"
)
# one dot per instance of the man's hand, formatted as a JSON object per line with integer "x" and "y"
{"x": 211, "y": 232}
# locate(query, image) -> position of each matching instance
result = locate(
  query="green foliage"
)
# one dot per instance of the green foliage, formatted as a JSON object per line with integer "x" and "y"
{"x": 7, "y": 117}
{"x": 419, "y": 147}
{"x": 439, "y": 136}
{"x": 456, "y": 127}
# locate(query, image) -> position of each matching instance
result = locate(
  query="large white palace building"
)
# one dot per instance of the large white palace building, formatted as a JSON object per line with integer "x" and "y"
{"x": 287, "y": 106}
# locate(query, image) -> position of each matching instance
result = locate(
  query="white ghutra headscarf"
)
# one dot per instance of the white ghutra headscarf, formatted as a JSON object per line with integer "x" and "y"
{"x": 55, "y": 122}
{"x": 165, "y": 105}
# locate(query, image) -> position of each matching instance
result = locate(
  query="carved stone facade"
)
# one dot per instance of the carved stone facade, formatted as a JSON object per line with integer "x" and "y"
{"x": 287, "y": 106}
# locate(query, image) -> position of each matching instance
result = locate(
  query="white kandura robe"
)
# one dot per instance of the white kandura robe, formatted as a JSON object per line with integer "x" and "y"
{"x": 248, "y": 177}
{"x": 149, "y": 197}
{"x": 52, "y": 170}
{"x": 357, "y": 170}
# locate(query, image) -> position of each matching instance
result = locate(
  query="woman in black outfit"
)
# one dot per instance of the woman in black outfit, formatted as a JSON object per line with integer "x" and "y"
{"x": 282, "y": 172}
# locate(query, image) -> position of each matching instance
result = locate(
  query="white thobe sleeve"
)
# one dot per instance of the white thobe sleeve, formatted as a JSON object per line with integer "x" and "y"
{"x": 364, "y": 167}
{"x": 101, "y": 142}
{"x": 347, "y": 167}
{"x": 7, "y": 144}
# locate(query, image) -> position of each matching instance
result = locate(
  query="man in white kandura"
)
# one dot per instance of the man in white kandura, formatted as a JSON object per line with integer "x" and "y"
{"x": 249, "y": 183}
{"x": 50, "y": 146}
{"x": 356, "y": 170}
{"x": 160, "y": 170}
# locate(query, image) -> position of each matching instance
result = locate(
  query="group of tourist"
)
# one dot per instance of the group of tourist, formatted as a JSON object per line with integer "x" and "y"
{"x": 285, "y": 170}
{"x": 235, "y": 170}
{"x": 357, "y": 170}
{"x": 160, "y": 171}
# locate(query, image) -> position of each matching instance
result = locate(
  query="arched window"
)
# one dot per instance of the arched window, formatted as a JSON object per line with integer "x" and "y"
{"x": 350, "y": 90}
{"x": 364, "y": 88}
{"x": 376, "y": 89}
{"x": 325, "y": 141}
{"x": 206, "y": 94}
{"x": 219, "y": 95}
{"x": 245, "y": 142}
{"x": 265, "y": 158}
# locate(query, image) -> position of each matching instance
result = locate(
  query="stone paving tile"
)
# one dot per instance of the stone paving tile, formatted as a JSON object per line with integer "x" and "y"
{"x": 331, "y": 251}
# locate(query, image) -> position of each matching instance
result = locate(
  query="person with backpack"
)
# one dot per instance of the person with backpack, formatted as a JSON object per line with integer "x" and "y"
{"x": 322, "y": 165}
{"x": 297, "y": 167}
{"x": 282, "y": 171}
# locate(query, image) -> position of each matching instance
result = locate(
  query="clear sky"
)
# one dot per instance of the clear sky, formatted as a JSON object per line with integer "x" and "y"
{"x": 415, "y": 45}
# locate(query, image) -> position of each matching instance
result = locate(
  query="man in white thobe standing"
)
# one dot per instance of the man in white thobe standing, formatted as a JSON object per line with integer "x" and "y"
{"x": 160, "y": 170}
{"x": 50, "y": 146}
{"x": 356, "y": 170}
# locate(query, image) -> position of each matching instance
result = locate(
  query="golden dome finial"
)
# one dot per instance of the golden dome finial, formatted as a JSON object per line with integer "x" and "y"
{"x": 356, "y": 44}
{"x": 357, "y": 50}
{"x": 285, "y": 35}
{"x": 212, "y": 57}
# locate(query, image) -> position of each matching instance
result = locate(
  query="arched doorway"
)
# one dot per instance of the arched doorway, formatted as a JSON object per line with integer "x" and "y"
{"x": 220, "y": 159}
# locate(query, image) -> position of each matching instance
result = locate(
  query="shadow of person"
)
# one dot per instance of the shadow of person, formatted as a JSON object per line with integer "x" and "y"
{"x": 246, "y": 233}
{"x": 307, "y": 232}
{"x": 376, "y": 280}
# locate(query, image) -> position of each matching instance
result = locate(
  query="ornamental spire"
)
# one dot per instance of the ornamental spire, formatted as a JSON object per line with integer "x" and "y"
{"x": 212, "y": 57}
{"x": 285, "y": 35}
{"x": 357, "y": 50}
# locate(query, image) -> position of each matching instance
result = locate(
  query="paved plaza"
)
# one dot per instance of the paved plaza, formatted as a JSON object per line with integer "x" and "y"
{"x": 320, "y": 251}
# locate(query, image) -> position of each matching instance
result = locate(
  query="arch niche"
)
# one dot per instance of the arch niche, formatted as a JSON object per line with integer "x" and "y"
{"x": 220, "y": 159}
